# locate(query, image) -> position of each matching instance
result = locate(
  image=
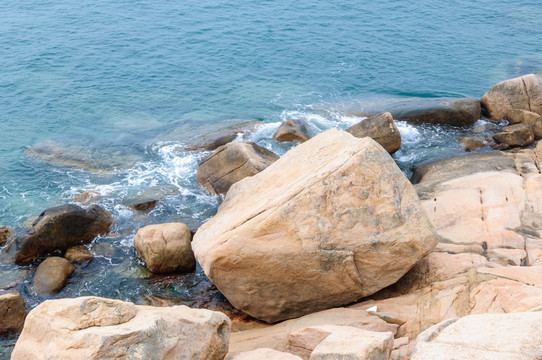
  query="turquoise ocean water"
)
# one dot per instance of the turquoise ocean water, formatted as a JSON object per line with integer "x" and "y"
{"x": 120, "y": 85}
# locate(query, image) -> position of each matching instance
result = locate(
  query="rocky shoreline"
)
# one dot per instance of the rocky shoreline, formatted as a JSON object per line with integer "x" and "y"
{"x": 330, "y": 249}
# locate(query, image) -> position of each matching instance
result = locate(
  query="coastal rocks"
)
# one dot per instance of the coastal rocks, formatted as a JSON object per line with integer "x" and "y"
{"x": 381, "y": 128}
{"x": 483, "y": 337}
{"x": 354, "y": 344}
{"x": 59, "y": 228}
{"x": 470, "y": 144}
{"x": 515, "y": 116}
{"x": 51, "y": 275}
{"x": 264, "y": 354}
{"x": 144, "y": 206}
{"x": 215, "y": 140}
{"x": 521, "y": 93}
{"x": 78, "y": 254}
{"x": 98, "y": 328}
{"x": 289, "y": 335}
{"x": 231, "y": 163}
{"x": 5, "y": 233}
{"x": 333, "y": 216}
{"x": 12, "y": 313}
{"x": 292, "y": 130}
{"x": 515, "y": 135}
{"x": 461, "y": 112}
{"x": 166, "y": 248}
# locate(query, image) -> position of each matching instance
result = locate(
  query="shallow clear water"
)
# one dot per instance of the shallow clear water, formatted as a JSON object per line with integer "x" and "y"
{"x": 121, "y": 85}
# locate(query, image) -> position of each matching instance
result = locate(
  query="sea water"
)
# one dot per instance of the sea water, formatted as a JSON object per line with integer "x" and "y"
{"x": 120, "y": 86}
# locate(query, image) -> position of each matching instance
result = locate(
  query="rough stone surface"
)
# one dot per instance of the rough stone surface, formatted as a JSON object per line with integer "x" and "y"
{"x": 5, "y": 233}
{"x": 516, "y": 116}
{"x": 144, "y": 206}
{"x": 461, "y": 112}
{"x": 222, "y": 137}
{"x": 483, "y": 337}
{"x": 470, "y": 144}
{"x": 521, "y": 93}
{"x": 59, "y": 228}
{"x": 381, "y": 128}
{"x": 12, "y": 313}
{"x": 78, "y": 254}
{"x": 333, "y": 216}
{"x": 279, "y": 336}
{"x": 354, "y": 344}
{"x": 292, "y": 130}
{"x": 515, "y": 135}
{"x": 232, "y": 162}
{"x": 263, "y": 354}
{"x": 51, "y": 275}
{"x": 166, "y": 248}
{"x": 97, "y": 328}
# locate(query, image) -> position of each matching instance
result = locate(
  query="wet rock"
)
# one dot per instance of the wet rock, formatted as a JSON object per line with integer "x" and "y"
{"x": 78, "y": 254}
{"x": 521, "y": 93}
{"x": 318, "y": 221}
{"x": 144, "y": 206}
{"x": 263, "y": 354}
{"x": 292, "y": 130}
{"x": 98, "y": 328}
{"x": 279, "y": 336}
{"x": 470, "y": 144}
{"x": 59, "y": 228}
{"x": 10, "y": 278}
{"x": 515, "y": 135}
{"x": 516, "y": 116}
{"x": 104, "y": 160}
{"x": 12, "y": 313}
{"x": 381, "y": 128}
{"x": 5, "y": 233}
{"x": 231, "y": 163}
{"x": 483, "y": 337}
{"x": 166, "y": 248}
{"x": 51, "y": 275}
{"x": 213, "y": 141}
{"x": 356, "y": 344}
{"x": 460, "y": 112}
{"x": 103, "y": 249}
{"x": 87, "y": 197}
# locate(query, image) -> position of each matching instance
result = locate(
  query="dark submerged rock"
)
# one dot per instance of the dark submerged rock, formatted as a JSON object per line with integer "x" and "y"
{"x": 59, "y": 228}
{"x": 461, "y": 112}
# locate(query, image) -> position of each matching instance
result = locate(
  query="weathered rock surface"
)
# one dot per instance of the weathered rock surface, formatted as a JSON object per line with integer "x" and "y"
{"x": 381, "y": 128}
{"x": 460, "y": 112}
{"x": 516, "y": 116}
{"x": 144, "y": 206}
{"x": 13, "y": 277}
{"x": 470, "y": 144}
{"x": 483, "y": 337}
{"x": 355, "y": 344}
{"x": 333, "y": 216}
{"x": 282, "y": 336}
{"x": 166, "y": 248}
{"x": 51, "y": 275}
{"x": 264, "y": 354}
{"x": 521, "y": 93}
{"x": 232, "y": 162}
{"x": 292, "y": 130}
{"x": 5, "y": 233}
{"x": 59, "y": 228}
{"x": 515, "y": 135}
{"x": 12, "y": 313}
{"x": 97, "y": 328}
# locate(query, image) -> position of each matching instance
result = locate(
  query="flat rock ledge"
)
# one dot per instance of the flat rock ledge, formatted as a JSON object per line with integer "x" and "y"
{"x": 98, "y": 328}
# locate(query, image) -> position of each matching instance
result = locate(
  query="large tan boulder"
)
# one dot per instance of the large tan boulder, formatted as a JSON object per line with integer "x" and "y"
{"x": 166, "y": 248}
{"x": 330, "y": 222}
{"x": 98, "y": 328}
{"x": 381, "y": 128}
{"x": 264, "y": 354}
{"x": 519, "y": 93}
{"x": 59, "y": 228}
{"x": 517, "y": 116}
{"x": 483, "y": 337}
{"x": 12, "y": 313}
{"x": 515, "y": 135}
{"x": 232, "y": 162}
{"x": 51, "y": 275}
